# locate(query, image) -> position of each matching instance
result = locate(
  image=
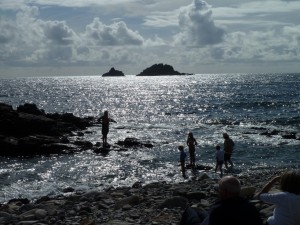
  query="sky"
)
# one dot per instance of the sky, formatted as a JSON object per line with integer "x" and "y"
{"x": 88, "y": 37}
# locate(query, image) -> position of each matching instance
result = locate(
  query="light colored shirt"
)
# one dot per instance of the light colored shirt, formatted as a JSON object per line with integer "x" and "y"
{"x": 287, "y": 208}
{"x": 220, "y": 156}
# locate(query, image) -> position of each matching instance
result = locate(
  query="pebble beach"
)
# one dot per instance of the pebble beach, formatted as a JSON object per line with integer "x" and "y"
{"x": 147, "y": 204}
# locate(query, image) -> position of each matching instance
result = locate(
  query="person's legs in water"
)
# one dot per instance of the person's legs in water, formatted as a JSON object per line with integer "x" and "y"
{"x": 182, "y": 164}
{"x": 229, "y": 160}
{"x": 226, "y": 160}
{"x": 104, "y": 138}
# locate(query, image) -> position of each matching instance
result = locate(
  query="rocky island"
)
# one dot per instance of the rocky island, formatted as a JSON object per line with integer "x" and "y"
{"x": 160, "y": 70}
{"x": 113, "y": 73}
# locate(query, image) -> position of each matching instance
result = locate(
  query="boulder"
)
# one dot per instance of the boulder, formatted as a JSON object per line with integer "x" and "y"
{"x": 134, "y": 142}
{"x": 30, "y": 109}
{"x": 131, "y": 200}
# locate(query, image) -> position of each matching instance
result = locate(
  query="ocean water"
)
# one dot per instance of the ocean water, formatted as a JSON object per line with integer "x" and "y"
{"x": 161, "y": 110}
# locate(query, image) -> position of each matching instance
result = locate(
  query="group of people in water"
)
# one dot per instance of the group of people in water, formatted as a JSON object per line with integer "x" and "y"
{"x": 222, "y": 156}
{"x": 232, "y": 208}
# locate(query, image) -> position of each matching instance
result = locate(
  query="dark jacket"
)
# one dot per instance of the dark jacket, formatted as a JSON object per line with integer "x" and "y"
{"x": 234, "y": 211}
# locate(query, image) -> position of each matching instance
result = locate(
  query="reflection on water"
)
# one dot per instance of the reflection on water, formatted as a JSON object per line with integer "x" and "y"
{"x": 162, "y": 110}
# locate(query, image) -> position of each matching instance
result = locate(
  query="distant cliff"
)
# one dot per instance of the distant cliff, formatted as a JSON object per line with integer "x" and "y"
{"x": 113, "y": 73}
{"x": 160, "y": 70}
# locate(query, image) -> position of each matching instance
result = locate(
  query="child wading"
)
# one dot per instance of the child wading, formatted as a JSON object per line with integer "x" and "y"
{"x": 182, "y": 160}
{"x": 219, "y": 159}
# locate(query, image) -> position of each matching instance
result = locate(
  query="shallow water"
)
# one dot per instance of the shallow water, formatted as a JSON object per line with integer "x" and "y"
{"x": 162, "y": 110}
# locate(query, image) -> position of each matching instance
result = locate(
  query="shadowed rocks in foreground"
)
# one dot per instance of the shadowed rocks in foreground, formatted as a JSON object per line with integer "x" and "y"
{"x": 153, "y": 203}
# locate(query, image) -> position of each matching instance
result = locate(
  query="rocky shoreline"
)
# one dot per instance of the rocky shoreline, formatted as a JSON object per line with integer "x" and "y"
{"x": 30, "y": 131}
{"x": 148, "y": 204}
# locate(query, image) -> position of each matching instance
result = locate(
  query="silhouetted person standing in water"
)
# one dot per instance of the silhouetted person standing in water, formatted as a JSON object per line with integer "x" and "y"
{"x": 191, "y": 142}
{"x": 228, "y": 149}
{"x": 105, "y": 120}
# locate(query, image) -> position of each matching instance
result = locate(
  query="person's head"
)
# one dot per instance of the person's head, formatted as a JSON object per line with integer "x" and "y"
{"x": 106, "y": 113}
{"x": 218, "y": 147}
{"x": 191, "y": 135}
{"x": 225, "y": 135}
{"x": 229, "y": 187}
{"x": 180, "y": 147}
{"x": 290, "y": 182}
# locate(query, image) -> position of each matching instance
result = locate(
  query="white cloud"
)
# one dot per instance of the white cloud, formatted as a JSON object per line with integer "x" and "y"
{"x": 188, "y": 37}
{"x": 114, "y": 34}
{"x": 162, "y": 19}
{"x": 11, "y": 4}
{"x": 198, "y": 28}
{"x": 7, "y": 31}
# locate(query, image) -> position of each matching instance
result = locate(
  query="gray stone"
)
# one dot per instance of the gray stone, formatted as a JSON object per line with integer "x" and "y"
{"x": 132, "y": 200}
{"x": 174, "y": 203}
{"x": 196, "y": 195}
{"x": 40, "y": 213}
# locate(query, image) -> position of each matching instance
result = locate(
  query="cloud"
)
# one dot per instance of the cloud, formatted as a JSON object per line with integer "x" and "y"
{"x": 7, "y": 31}
{"x": 198, "y": 28}
{"x": 27, "y": 40}
{"x": 162, "y": 19}
{"x": 58, "y": 32}
{"x": 115, "y": 34}
{"x": 255, "y": 46}
{"x": 189, "y": 36}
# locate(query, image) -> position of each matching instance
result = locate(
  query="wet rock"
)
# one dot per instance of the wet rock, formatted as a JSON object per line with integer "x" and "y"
{"x": 287, "y": 135}
{"x": 68, "y": 190}
{"x": 30, "y": 108}
{"x": 84, "y": 144}
{"x": 30, "y": 131}
{"x": 134, "y": 142}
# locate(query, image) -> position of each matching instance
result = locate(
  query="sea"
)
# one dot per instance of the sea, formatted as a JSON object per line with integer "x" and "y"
{"x": 161, "y": 110}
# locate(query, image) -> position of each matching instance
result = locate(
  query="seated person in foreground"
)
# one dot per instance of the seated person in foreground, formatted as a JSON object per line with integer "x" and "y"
{"x": 231, "y": 209}
{"x": 287, "y": 202}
